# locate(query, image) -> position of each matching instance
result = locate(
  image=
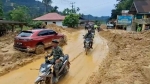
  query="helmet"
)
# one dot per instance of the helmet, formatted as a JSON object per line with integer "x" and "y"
{"x": 55, "y": 41}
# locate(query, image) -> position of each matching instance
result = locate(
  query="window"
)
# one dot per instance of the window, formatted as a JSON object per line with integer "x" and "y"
{"x": 51, "y": 32}
{"x": 54, "y": 22}
{"x": 43, "y": 33}
{"x": 25, "y": 34}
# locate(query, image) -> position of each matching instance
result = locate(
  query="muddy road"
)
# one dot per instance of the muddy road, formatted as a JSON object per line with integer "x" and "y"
{"x": 82, "y": 66}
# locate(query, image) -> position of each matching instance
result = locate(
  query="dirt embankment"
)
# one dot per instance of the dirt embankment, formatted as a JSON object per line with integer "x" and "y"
{"x": 128, "y": 53}
{"x": 12, "y": 59}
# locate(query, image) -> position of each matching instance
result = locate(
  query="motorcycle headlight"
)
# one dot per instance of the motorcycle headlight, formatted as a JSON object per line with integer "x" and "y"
{"x": 87, "y": 42}
{"x": 42, "y": 70}
{"x": 41, "y": 74}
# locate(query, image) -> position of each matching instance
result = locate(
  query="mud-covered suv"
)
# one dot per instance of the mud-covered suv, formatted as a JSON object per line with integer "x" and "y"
{"x": 36, "y": 40}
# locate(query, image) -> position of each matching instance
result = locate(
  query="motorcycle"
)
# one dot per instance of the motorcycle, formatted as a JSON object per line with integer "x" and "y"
{"x": 47, "y": 74}
{"x": 93, "y": 32}
{"x": 87, "y": 45}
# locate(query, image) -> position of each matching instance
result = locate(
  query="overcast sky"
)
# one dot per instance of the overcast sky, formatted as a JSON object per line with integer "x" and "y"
{"x": 93, "y": 7}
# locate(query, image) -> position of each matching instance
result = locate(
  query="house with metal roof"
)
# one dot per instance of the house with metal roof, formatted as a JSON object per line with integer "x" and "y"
{"x": 51, "y": 18}
{"x": 141, "y": 11}
{"x": 54, "y": 18}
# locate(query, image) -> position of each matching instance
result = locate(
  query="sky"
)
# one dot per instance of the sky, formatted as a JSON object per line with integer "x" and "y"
{"x": 93, "y": 7}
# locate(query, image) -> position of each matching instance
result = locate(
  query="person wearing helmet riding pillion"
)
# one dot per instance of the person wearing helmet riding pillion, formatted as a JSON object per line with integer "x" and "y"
{"x": 90, "y": 36}
{"x": 58, "y": 56}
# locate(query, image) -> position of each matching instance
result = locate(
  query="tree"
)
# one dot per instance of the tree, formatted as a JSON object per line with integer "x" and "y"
{"x": 54, "y": 9}
{"x": 46, "y": 3}
{"x": 122, "y": 5}
{"x": 19, "y": 14}
{"x": 1, "y": 10}
{"x": 71, "y": 20}
{"x": 66, "y": 11}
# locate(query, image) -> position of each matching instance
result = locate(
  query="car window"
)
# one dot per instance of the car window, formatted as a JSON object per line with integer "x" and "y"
{"x": 51, "y": 32}
{"x": 43, "y": 33}
{"x": 25, "y": 34}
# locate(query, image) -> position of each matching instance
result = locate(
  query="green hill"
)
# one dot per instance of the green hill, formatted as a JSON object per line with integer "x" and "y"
{"x": 36, "y": 8}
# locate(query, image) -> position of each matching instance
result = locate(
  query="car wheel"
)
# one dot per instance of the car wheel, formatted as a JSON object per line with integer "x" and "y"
{"x": 39, "y": 49}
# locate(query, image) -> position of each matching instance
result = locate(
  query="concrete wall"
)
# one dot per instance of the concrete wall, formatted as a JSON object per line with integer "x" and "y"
{"x": 59, "y": 23}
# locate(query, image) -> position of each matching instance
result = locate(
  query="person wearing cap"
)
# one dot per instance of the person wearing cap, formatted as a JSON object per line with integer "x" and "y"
{"x": 90, "y": 36}
{"x": 56, "y": 50}
{"x": 58, "y": 55}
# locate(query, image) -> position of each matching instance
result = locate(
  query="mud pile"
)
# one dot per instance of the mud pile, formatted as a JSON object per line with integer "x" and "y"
{"x": 61, "y": 29}
{"x": 55, "y": 27}
{"x": 9, "y": 57}
{"x": 128, "y": 53}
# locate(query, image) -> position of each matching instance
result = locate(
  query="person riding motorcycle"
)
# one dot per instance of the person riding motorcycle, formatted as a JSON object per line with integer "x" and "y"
{"x": 87, "y": 26}
{"x": 90, "y": 36}
{"x": 58, "y": 56}
{"x": 95, "y": 26}
{"x": 93, "y": 29}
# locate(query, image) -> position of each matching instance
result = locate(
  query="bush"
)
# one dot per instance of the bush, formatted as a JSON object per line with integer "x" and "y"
{"x": 36, "y": 24}
{"x": 71, "y": 20}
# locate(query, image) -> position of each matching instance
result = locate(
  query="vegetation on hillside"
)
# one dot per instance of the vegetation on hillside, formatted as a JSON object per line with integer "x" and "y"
{"x": 1, "y": 9}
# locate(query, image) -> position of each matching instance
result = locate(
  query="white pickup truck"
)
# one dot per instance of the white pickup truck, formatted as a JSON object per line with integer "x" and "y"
{"x": 109, "y": 25}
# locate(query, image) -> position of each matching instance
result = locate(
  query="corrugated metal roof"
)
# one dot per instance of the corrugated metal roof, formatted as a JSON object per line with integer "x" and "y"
{"x": 11, "y": 22}
{"x": 142, "y": 6}
{"x": 51, "y": 17}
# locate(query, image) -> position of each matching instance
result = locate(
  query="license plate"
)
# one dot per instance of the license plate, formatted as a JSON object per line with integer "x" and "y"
{"x": 18, "y": 43}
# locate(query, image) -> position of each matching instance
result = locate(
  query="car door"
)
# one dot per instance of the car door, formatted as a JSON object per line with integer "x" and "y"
{"x": 43, "y": 35}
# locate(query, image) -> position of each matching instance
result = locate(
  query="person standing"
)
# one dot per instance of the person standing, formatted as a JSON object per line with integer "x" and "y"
{"x": 139, "y": 29}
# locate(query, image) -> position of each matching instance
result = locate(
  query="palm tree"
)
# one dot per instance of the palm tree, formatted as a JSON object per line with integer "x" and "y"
{"x": 46, "y": 3}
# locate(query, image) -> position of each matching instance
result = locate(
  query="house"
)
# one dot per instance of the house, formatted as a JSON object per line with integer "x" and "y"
{"x": 51, "y": 18}
{"x": 141, "y": 11}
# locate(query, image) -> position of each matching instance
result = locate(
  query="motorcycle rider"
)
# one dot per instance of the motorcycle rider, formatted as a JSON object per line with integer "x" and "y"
{"x": 58, "y": 56}
{"x": 90, "y": 36}
{"x": 87, "y": 26}
{"x": 95, "y": 26}
{"x": 92, "y": 28}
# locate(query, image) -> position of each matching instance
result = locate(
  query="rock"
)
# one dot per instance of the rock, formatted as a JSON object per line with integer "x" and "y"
{"x": 4, "y": 50}
{"x": 3, "y": 64}
{"x": 138, "y": 38}
{"x": 128, "y": 46}
{"x": 10, "y": 63}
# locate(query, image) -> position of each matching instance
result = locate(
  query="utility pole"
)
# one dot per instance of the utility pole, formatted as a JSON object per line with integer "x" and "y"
{"x": 72, "y": 5}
